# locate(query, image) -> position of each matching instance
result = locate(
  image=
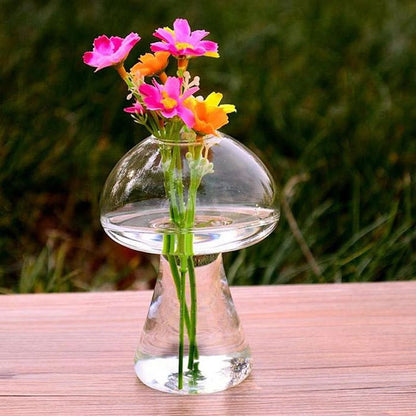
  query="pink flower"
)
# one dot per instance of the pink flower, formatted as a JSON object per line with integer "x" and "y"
{"x": 182, "y": 42}
{"x": 109, "y": 52}
{"x": 136, "y": 108}
{"x": 168, "y": 99}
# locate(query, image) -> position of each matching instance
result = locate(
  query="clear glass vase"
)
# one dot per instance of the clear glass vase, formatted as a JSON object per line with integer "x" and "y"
{"x": 188, "y": 202}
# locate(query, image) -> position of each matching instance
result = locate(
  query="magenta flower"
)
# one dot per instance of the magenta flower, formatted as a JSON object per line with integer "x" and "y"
{"x": 182, "y": 42}
{"x": 136, "y": 108}
{"x": 168, "y": 99}
{"x": 109, "y": 52}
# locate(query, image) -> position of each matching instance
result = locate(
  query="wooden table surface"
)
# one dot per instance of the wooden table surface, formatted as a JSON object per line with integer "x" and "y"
{"x": 342, "y": 349}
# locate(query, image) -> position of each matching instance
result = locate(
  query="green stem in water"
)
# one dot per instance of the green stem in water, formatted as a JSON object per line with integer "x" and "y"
{"x": 182, "y": 304}
{"x": 193, "y": 351}
{"x": 177, "y": 280}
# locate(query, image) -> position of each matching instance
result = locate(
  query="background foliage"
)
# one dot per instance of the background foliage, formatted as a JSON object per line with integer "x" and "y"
{"x": 325, "y": 91}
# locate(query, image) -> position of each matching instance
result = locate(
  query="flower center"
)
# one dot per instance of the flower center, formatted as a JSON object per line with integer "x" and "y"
{"x": 168, "y": 102}
{"x": 182, "y": 45}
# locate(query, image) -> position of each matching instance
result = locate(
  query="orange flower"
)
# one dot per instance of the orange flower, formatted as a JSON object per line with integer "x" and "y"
{"x": 150, "y": 64}
{"x": 209, "y": 115}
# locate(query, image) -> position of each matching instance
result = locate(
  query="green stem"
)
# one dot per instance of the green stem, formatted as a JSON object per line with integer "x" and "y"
{"x": 178, "y": 183}
{"x": 182, "y": 305}
{"x": 189, "y": 222}
{"x": 193, "y": 351}
{"x": 177, "y": 280}
{"x": 178, "y": 247}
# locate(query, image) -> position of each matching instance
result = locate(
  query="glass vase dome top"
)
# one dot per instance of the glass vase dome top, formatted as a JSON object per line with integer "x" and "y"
{"x": 236, "y": 203}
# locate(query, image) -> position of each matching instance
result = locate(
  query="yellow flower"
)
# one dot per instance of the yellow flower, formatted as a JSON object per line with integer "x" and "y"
{"x": 209, "y": 115}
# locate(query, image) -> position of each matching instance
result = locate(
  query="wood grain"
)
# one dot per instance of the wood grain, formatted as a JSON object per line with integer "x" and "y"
{"x": 345, "y": 349}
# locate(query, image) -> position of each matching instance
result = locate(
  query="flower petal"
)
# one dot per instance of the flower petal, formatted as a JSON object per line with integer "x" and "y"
{"x": 197, "y": 35}
{"x": 103, "y": 45}
{"x": 214, "y": 98}
{"x": 187, "y": 116}
{"x": 209, "y": 46}
{"x": 182, "y": 29}
{"x": 166, "y": 34}
{"x": 173, "y": 87}
{"x": 160, "y": 47}
{"x": 189, "y": 92}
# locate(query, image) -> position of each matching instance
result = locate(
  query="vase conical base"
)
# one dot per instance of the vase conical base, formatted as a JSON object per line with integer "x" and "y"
{"x": 223, "y": 356}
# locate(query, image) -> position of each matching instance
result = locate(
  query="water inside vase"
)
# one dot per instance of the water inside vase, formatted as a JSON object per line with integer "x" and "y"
{"x": 218, "y": 229}
{"x": 217, "y": 373}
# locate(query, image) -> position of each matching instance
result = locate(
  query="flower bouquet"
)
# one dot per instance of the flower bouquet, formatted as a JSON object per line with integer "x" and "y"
{"x": 188, "y": 192}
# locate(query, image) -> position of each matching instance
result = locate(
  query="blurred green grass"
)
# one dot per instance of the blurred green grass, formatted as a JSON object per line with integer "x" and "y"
{"x": 326, "y": 95}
